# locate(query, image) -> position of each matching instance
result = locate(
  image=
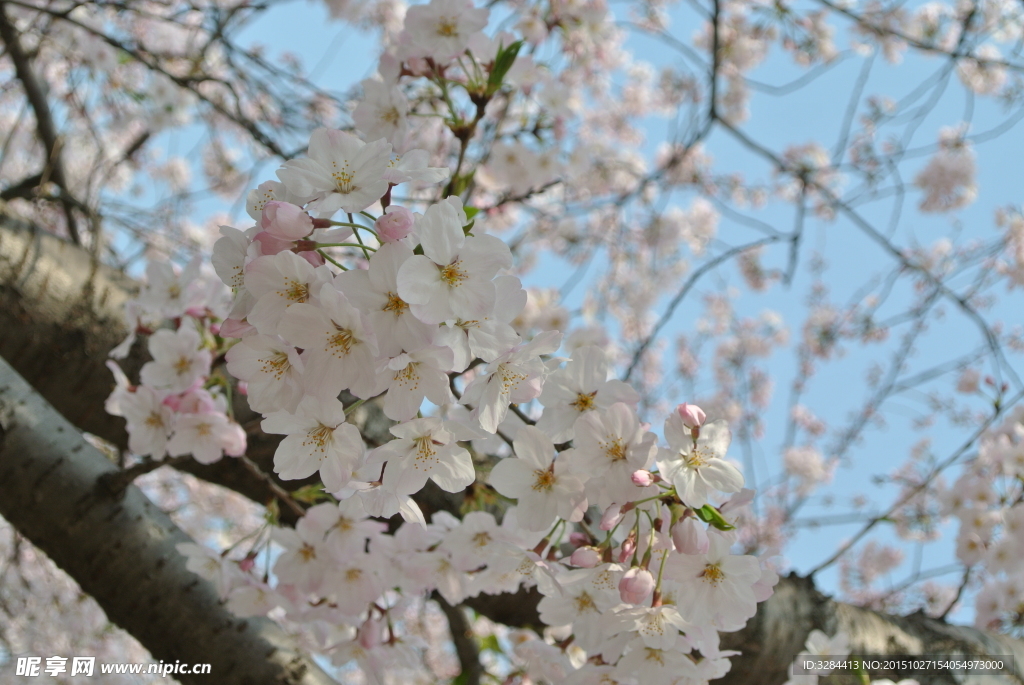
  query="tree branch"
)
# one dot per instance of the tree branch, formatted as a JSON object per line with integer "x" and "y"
{"x": 462, "y": 636}
{"x": 54, "y": 167}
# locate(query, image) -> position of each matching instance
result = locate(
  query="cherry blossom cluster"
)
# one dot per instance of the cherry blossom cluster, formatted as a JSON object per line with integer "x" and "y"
{"x": 986, "y": 499}
{"x": 180, "y": 407}
{"x": 413, "y": 310}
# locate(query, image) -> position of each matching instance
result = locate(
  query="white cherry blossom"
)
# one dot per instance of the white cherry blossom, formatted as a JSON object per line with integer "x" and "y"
{"x": 442, "y": 29}
{"x": 697, "y": 467}
{"x": 543, "y": 485}
{"x": 340, "y": 350}
{"x": 452, "y": 278}
{"x": 179, "y": 360}
{"x": 375, "y": 293}
{"x": 272, "y": 369}
{"x": 516, "y": 376}
{"x": 716, "y": 586}
{"x": 277, "y": 282}
{"x": 341, "y": 172}
{"x": 416, "y": 376}
{"x": 318, "y": 439}
{"x": 582, "y": 386}
{"x": 424, "y": 449}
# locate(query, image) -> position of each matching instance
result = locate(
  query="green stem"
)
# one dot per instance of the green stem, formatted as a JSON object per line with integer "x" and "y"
{"x": 359, "y": 239}
{"x": 359, "y": 246}
{"x": 352, "y": 407}
{"x": 335, "y": 263}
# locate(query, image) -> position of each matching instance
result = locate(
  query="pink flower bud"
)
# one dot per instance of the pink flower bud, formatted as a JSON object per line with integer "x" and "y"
{"x": 233, "y": 441}
{"x": 314, "y": 258}
{"x": 196, "y": 312}
{"x": 636, "y": 585}
{"x": 643, "y": 478}
{"x": 271, "y": 243}
{"x": 627, "y": 548}
{"x": 369, "y": 635}
{"x": 196, "y": 401}
{"x": 243, "y": 388}
{"x": 585, "y": 557}
{"x": 611, "y": 517}
{"x": 690, "y": 537}
{"x": 247, "y": 564}
{"x": 578, "y": 539}
{"x": 418, "y": 66}
{"x": 692, "y": 415}
{"x": 285, "y": 220}
{"x": 395, "y": 224}
{"x": 235, "y": 328}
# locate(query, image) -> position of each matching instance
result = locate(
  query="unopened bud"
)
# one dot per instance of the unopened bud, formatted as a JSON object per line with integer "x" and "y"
{"x": 643, "y": 478}
{"x": 636, "y": 585}
{"x": 394, "y": 224}
{"x": 578, "y": 539}
{"x": 627, "y": 548}
{"x": 690, "y": 537}
{"x": 612, "y": 516}
{"x": 285, "y": 220}
{"x": 586, "y": 557}
{"x": 692, "y": 415}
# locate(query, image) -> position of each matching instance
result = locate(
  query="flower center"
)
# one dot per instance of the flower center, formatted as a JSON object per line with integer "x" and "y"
{"x": 395, "y": 304}
{"x": 448, "y": 27}
{"x": 319, "y": 436}
{"x": 155, "y": 420}
{"x": 698, "y": 458}
{"x": 390, "y": 116}
{"x": 510, "y": 378}
{"x": 296, "y": 291}
{"x": 713, "y": 574}
{"x": 203, "y": 429}
{"x": 616, "y": 450}
{"x": 307, "y": 552}
{"x": 452, "y": 274}
{"x": 545, "y": 480}
{"x": 482, "y": 538}
{"x": 343, "y": 179}
{"x": 353, "y": 574}
{"x": 276, "y": 365}
{"x": 424, "y": 452}
{"x": 584, "y": 602}
{"x": 182, "y": 366}
{"x": 174, "y": 291}
{"x": 408, "y": 378}
{"x": 341, "y": 341}
{"x": 584, "y": 401}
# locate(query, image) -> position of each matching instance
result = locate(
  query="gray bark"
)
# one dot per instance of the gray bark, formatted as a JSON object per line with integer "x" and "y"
{"x": 777, "y": 633}
{"x": 121, "y": 550}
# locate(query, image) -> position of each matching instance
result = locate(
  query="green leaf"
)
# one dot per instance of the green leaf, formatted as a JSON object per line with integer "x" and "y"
{"x": 310, "y": 494}
{"x": 273, "y": 514}
{"x": 491, "y": 642}
{"x": 502, "y": 63}
{"x": 471, "y": 212}
{"x": 708, "y": 514}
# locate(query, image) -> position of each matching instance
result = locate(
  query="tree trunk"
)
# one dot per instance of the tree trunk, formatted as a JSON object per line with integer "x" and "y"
{"x": 121, "y": 550}
{"x": 777, "y": 633}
